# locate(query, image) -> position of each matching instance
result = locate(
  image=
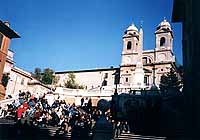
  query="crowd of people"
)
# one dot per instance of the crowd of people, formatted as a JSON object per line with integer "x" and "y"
{"x": 79, "y": 120}
{"x": 120, "y": 127}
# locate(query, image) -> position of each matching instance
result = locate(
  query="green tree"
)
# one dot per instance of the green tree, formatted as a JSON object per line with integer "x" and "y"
{"x": 37, "y": 74}
{"x": 5, "y": 79}
{"x": 71, "y": 83}
{"x": 170, "y": 81}
{"x": 48, "y": 76}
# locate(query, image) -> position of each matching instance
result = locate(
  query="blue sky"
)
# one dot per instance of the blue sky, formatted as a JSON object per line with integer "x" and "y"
{"x": 81, "y": 34}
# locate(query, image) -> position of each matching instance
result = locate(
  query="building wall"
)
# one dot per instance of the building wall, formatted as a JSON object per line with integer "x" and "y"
{"x": 9, "y": 62}
{"x": 18, "y": 81}
{"x": 3, "y": 53}
{"x": 38, "y": 89}
{"x": 21, "y": 80}
{"x": 91, "y": 80}
{"x": 186, "y": 11}
{"x": 95, "y": 79}
{"x": 4, "y": 44}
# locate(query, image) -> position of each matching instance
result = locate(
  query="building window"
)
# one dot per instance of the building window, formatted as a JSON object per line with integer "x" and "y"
{"x": 146, "y": 80}
{"x": 1, "y": 39}
{"x": 162, "y": 42}
{"x": 106, "y": 75}
{"x": 126, "y": 79}
{"x": 129, "y": 45}
{"x": 144, "y": 60}
{"x": 150, "y": 61}
{"x": 22, "y": 81}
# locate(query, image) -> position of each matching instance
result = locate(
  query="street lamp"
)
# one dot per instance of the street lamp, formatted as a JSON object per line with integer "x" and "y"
{"x": 117, "y": 80}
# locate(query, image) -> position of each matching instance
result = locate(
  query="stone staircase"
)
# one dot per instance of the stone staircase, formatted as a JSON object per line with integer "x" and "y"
{"x": 132, "y": 136}
{"x": 9, "y": 131}
{"x": 49, "y": 133}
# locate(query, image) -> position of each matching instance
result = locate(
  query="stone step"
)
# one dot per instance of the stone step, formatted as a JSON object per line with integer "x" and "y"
{"x": 132, "y": 136}
{"x": 51, "y": 132}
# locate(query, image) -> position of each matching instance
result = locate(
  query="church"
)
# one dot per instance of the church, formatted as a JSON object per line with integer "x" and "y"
{"x": 139, "y": 68}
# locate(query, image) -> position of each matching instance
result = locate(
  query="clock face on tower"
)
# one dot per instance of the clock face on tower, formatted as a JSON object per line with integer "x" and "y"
{"x": 127, "y": 60}
{"x": 162, "y": 57}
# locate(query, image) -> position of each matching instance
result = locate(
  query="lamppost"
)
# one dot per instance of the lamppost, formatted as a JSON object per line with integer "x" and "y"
{"x": 117, "y": 80}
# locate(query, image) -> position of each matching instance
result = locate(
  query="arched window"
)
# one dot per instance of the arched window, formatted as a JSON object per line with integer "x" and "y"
{"x": 144, "y": 60}
{"x": 162, "y": 41}
{"x": 1, "y": 39}
{"x": 150, "y": 60}
{"x": 129, "y": 45}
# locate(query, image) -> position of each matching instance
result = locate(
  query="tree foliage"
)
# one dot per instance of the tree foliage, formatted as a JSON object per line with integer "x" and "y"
{"x": 48, "y": 76}
{"x": 71, "y": 83}
{"x": 170, "y": 81}
{"x": 37, "y": 74}
{"x": 5, "y": 79}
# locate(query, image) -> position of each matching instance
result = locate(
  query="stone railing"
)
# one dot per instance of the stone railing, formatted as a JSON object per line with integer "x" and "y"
{"x": 82, "y": 92}
{"x": 4, "y": 102}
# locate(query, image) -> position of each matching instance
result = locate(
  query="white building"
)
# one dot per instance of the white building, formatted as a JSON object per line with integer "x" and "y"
{"x": 20, "y": 80}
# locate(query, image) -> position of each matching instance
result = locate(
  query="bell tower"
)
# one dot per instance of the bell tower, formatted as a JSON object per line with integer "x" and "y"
{"x": 164, "y": 35}
{"x": 130, "y": 46}
{"x": 164, "y": 42}
{"x": 131, "y": 69}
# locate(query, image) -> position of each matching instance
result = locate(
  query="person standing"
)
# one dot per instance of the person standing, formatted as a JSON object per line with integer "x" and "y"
{"x": 82, "y": 101}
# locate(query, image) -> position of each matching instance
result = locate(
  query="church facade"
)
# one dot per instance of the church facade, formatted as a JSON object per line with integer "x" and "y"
{"x": 139, "y": 69}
